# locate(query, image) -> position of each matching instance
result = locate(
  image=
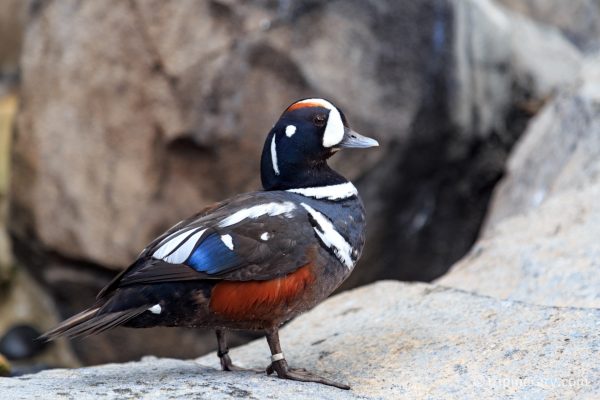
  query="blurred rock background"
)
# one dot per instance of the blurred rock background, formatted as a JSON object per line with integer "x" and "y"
{"x": 131, "y": 115}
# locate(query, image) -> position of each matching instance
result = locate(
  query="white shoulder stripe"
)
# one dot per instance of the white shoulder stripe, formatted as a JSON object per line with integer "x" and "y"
{"x": 332, "y": 192}
{"x": 331, "y": 237}
{"x": 253, "y": 212}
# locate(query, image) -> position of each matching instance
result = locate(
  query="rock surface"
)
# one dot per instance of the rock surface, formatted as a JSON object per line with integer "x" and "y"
{"x": 171, "y": 114}
{"x": 12, "y": 21}
{"x": 504, "y": 61}
{"x": 579, "y": 20}
{"x": 560, "y": 150}
{"x": 387, "y": 340}
{"x": 167, "y": 113}
{"x": 157, "y": 120}
{"x": 549, "y": 256}
{"x": 540, "y": 242}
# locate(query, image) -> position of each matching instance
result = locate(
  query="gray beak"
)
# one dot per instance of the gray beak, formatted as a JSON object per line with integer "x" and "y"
{"x": 353, "y": 140}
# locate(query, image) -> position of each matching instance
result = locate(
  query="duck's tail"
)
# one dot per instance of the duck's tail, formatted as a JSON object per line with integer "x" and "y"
{"x": 91, "y": 321}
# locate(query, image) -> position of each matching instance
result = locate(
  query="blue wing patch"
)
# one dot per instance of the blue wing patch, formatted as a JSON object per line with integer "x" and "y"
{"x": 213, "y": 256}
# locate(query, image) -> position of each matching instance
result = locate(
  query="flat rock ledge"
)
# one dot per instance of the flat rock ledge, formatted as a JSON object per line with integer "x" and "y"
{"x": 387, "y": 340}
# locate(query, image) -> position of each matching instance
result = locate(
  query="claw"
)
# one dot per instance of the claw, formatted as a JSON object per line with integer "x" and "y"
{"x": 228, "y": 365}
{"x": 300, "y": 374}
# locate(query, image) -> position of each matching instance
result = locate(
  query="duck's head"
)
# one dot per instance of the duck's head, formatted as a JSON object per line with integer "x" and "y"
{"x": 297, "y": 148}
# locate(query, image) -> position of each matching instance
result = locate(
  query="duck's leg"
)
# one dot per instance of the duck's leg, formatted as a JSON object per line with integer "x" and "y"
{"x": 223, "y": 353}
{"x": 279, "y": 365}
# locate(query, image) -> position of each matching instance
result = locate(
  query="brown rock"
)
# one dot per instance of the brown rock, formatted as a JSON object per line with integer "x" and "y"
{"x": 12, "y": 20}
{"x": 120, "y": 137}
{"x": 8, "y": 107}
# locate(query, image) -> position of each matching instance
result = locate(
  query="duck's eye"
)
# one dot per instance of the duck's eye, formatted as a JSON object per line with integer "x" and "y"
{"x": 319, "y": 120}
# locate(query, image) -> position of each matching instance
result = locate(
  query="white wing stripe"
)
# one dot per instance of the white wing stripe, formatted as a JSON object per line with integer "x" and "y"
{"x": 184, "y": 251}
{"x": 173, "y": 241}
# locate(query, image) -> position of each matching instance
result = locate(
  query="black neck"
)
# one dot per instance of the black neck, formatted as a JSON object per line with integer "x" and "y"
{"x": 295, "y": 174}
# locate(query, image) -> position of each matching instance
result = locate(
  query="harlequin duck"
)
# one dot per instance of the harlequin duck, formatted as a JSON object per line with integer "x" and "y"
{"x": 256, "y": 260}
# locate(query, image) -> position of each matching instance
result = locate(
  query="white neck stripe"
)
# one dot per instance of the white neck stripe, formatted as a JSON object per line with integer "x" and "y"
{"x": 274, "y": 156}
{"x": 332, "y": 192}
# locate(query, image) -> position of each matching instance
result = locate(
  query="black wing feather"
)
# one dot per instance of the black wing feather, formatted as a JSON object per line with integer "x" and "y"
{"x": 282, "y": 253}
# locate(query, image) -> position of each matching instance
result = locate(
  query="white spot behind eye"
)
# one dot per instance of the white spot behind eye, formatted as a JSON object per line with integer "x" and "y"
{"x": 274, "y": 156}
{"x": 290, "y": 130}
{"x": 265, "y": 236}
{"x": 227, "y": 241}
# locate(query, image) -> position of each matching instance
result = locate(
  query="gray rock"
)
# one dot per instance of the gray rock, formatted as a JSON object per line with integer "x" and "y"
{"x": 560, "y": 150}
{"x": 387, "y": 340}
{"x": 549, "y": 256}
{"x": 497, "y": 52}
{"x": 579, "y": 20}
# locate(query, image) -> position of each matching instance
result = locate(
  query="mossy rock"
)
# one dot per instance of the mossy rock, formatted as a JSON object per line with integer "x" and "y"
{"x": 4, "y": 366}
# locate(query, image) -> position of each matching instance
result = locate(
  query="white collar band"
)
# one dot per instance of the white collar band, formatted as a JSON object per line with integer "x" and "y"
{"x": 331, "y": 192}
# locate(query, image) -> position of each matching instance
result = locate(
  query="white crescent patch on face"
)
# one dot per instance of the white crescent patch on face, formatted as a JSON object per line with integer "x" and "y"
{"x": 334, "y": 130}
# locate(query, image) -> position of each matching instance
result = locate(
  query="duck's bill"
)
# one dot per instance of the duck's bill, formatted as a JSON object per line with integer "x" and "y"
{"x": 353, "y": 140}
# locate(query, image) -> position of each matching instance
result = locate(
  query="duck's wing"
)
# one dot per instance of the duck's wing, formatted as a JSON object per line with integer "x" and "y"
{"x": 257, "y": 236}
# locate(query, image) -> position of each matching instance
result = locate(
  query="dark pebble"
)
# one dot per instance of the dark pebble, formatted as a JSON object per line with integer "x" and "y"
{"x": 20, "y": 342}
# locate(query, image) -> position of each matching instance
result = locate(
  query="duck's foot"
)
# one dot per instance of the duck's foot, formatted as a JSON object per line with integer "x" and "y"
{"x": 279, "y": 365}
{"x": 228, "y": 365}
{"x": 223, "y": 353}
{"x": 300, "y": 374}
